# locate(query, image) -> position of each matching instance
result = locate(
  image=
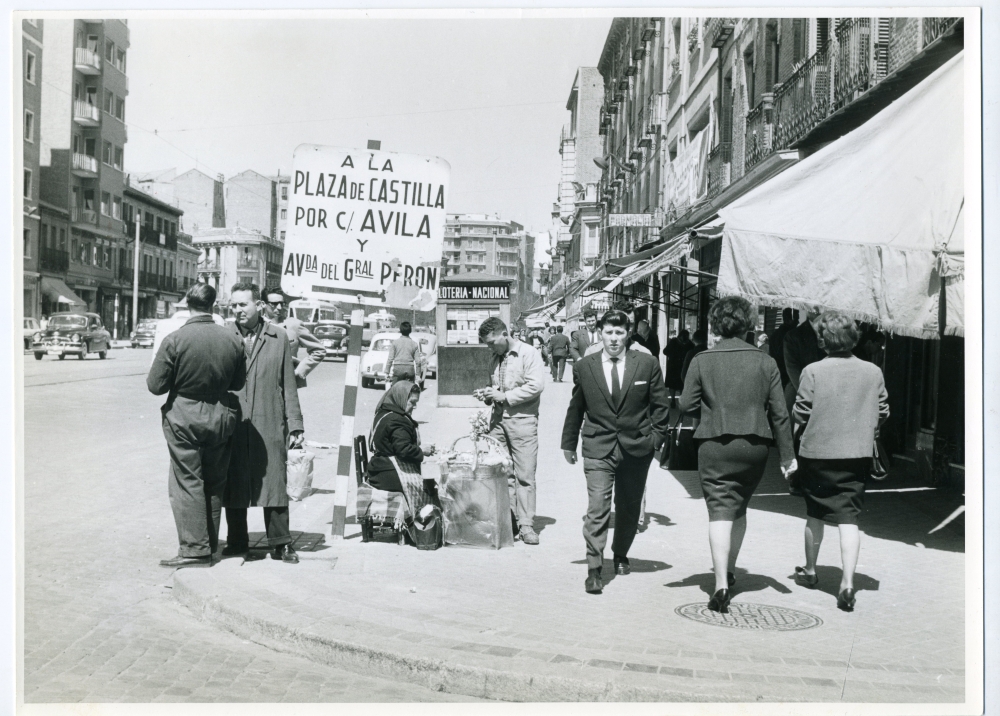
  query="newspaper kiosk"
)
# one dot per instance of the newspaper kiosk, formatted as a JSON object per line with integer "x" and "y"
{"x": 464, "y": 302}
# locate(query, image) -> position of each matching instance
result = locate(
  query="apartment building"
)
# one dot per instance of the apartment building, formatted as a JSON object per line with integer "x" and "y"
{"x": 31, "y": 92}
{"x": 252, "y": 203}
{"x": 159, "y": 228}
{"x": 202, "y": 198}
{"x": 81, "y": 160}
{"x": 283, "y": 181}
{"x": 233, "y": 254}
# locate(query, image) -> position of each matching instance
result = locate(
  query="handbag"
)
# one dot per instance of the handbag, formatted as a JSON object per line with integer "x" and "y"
{"x": 681, "y": 451}
{"x": 880, "y": 460}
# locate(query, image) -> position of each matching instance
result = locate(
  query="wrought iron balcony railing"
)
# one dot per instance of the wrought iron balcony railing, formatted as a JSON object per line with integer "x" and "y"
{"x": 718, "y": 30}
{"x": 758, "y": 137}
{"x": 802, "y": 101}
{"x": 935, "y": 27}
{"x": 853, "y": 67}
{"x": 719, "y": 167}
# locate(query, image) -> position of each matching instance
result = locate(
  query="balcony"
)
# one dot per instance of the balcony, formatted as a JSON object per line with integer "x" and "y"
{"x": 802, "y": 101}
{"x": 623, "y": 85}
{"x": 251, "y": 264}
{"x": 936, "y": 27}
{"x": 210, "y": 265}
{"x": 718, "y": 30}
{"x": 638, "y": 53}
{"x": 54, "y": 260}
{"x": 84, "y": 166}
{"x": 126, "y": 274}
{"x": 719, "y": 167}
{"x": 635, "y": 155}
{"x": 82, "y": 216}
{"x": 757, "y": 144}
{"x": 853, "y": 65}
{"x": 272, "y": 269}
{"x": 85, "y": 114}
{"x": 87, "y": 61}
{"x": 631, "y": 71}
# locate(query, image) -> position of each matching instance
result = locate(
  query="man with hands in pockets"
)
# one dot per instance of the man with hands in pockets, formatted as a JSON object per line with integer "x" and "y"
{"x": 620, "y": 401}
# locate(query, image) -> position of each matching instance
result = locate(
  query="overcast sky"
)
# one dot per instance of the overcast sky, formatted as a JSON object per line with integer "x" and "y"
{"x": 489, "y": 96}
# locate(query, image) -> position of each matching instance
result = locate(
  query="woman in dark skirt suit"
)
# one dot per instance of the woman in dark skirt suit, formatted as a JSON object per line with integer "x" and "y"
{"x": 841, "y": 402}
{"x": 743, "y": 412}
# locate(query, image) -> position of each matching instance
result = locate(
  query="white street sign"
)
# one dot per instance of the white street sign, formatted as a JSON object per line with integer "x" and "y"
{"x": 635, "y": 220}
{"x": 365, "y": 223}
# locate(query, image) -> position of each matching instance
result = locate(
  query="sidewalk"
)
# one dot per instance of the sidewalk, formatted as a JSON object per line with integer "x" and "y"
{"x": 516, "y": 624}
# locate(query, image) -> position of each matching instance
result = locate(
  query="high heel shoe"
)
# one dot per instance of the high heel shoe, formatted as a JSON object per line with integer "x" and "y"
{"x": 846, "y": 600}
{"x": 720, "y": 602}
{"x": 806, "y": 580}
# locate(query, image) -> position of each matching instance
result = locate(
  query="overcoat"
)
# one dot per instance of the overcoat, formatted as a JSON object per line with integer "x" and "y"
{"x": 269, "y": 411}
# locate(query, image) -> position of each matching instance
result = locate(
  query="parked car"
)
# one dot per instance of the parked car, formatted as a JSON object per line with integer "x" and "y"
{"x": 31, "y": 327}
{"x": 145, "y": 333}
{"x": 333, "y": 336}
{"x": 76, "y": 334}
{"x": 373, "y": 362}
{"x": 428, "y": 346}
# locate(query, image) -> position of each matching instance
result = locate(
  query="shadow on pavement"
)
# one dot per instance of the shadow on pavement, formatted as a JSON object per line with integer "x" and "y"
{"x": 639, "y": 566}
{"x": 542, "y": 522}
{"x": 829, "y": 580}
{"x": 301, "y": 541}
{"x": 745, "y": 582}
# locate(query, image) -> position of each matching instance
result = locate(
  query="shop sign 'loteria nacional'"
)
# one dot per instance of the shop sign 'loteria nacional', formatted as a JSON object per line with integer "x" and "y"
{"x": 365, "y": 223}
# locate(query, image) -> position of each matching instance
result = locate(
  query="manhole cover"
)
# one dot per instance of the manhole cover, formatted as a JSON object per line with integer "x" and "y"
{"x": 762, "y": 617}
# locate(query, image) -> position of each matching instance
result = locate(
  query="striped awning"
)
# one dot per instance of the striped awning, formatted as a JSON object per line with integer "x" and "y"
{"x": 677, "y": 248}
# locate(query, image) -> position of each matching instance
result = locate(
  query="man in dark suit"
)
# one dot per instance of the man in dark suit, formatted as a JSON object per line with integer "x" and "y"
{"x": 559, "y": 350}
{"x": 197, "y": 365}
{"x": 621, "y": 395}
{"x": 800, "y": 348}
{"x": 584, "y": 337}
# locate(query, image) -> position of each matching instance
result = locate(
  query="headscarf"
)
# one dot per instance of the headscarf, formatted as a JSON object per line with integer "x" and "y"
{"x": 395, "y": 398}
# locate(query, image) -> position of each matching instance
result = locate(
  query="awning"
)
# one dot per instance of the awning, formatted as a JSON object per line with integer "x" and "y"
{"x": 629, "y": 270}
{"x": 677, "y": 247}
{"x": 59, "y": 292}
{"x": 869, "y": 224}
{"x": 551, "y": 307}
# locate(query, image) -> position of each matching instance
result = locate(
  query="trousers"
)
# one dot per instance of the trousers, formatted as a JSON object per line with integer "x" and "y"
{"x": 197, "y": 435}
{"x": 558, "y": 367}
{"x": 520, "y": 434}
{"x": 626, "y": 475}
{"x": 275, "y": 525}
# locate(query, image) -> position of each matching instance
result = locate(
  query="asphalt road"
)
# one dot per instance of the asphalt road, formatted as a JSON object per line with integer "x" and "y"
{"x": 99, "y": 621}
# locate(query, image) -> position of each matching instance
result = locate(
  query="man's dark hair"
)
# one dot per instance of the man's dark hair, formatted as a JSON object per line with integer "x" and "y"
{"x": 786, "y": 315}
{"x": 273, "y": 291}
{"x": 491, "y": 325}
{"x": 246, "y": 286}
{"x": 588, "y": 313}
{"x": 614, "y": 317}
{"x": 200, "y": 297}
{"x": 405, "y": 328}
{"x": 731, "y": 317}
{"x": 559, "y": 329}
{"x": 683, "y": 334}
{"x": 701, "y": 336}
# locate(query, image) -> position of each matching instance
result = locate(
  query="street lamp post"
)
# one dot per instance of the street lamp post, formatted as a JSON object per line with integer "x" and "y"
{"x": 135, "y": 278}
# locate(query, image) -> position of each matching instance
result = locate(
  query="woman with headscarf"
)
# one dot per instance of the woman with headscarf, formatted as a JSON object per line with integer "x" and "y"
{"x": 396, "y": 456}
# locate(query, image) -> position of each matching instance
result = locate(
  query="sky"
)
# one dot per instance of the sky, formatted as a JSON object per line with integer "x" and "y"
{"x": 487, "y": 95}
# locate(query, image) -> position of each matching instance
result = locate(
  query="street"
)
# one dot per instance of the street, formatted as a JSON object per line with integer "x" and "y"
{"x": 101, "y": 623}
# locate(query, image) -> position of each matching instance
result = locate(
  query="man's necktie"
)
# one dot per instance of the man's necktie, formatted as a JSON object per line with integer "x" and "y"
{"x": 616, "y": 386}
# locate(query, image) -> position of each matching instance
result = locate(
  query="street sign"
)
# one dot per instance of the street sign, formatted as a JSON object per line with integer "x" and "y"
{"x": 635, "y": 220}
{"x": 476, "y": 291}
{"x": 365, "y": 223}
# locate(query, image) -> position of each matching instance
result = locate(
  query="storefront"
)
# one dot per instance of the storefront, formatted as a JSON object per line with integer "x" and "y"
{"x": 464, "y": 302}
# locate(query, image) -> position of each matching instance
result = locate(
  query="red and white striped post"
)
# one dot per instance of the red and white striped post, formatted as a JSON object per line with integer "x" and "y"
{"x": 346, "y": 447}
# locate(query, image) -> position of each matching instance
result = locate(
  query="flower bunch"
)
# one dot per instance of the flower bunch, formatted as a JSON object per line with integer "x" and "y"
{"x": 480, "y": 424}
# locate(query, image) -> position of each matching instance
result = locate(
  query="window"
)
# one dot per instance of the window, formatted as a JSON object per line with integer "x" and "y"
{"x": 109, "y": 102}
{"x": 107, "y": 257}
{"x": 159, "y": 223}
{"x": 29, "y": 126}
{"x": 29, "y": 67}
{"x": 88, "y": 199}
{"x": 109, "y": 51}
{"x": 120, "y": 109}
{"x": 27, "y": 183}
{"x": 108, "y": 152}
{"x": 117, "y": 207}
{"x": 95, "y": 256}
{"x": 119, "y": 157}
{"x": 282, "y": 235}
{"x": 120, "y": 60}
{"x": 62, "y": 239}
{"x": 284, "y": 193}
{"x": 106, "y": 203}
{"x": 90, "y": 147}
{"x": 27, "y": 243}
{"x": 284, "y": 213}
{"x": 75, "y": 253}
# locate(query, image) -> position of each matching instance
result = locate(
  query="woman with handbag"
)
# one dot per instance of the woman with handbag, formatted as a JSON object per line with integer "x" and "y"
{"x": 738, "y": 389}
{"x": 840, "y": 404}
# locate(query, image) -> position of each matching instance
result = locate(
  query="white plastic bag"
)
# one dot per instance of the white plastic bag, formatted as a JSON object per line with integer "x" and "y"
{"x": 299, "y": 474}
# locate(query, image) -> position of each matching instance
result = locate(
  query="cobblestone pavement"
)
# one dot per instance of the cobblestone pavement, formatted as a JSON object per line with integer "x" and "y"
{"x": 100, "y": 624}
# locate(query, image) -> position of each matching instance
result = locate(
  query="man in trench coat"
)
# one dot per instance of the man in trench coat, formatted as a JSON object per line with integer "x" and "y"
{"x": 270, "y": 423}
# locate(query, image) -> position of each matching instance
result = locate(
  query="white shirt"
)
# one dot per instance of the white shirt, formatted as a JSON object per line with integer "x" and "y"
{"x": 607, "y": 365}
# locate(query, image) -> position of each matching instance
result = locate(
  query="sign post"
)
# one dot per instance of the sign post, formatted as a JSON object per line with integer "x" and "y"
{"x": 135, "y": 275}
{"x": 365, "y": 226}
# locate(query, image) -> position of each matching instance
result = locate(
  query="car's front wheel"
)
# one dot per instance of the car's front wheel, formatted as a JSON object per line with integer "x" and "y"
{"x": 366, "y": 382}
{"x": 84, "y": 350}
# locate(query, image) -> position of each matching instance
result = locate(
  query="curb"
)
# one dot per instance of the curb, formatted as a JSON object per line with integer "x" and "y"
{"x": 433, "y": 674}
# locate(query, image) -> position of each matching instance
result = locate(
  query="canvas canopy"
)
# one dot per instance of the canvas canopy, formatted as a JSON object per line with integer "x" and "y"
{"x": 871, "y": 224}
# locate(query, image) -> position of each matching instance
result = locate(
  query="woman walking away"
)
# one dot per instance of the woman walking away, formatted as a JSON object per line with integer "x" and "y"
{"x": 743, "y": 411}
{"x": 840, "y": 404}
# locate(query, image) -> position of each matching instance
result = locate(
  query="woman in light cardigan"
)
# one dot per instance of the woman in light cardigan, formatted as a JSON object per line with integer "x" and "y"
{"x": 840, "y": 404}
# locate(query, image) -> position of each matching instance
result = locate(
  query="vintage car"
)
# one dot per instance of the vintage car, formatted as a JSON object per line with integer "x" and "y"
{"x": 373, "y": 362}
{"x": 76, "y": 334}
{"x": 145, "y": 333}
{"x": 333, "y": 336}
{"x": 31, "y": 327}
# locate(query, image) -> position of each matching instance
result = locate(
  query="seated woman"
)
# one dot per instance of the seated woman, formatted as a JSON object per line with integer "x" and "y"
{"x": 395, "y": 446}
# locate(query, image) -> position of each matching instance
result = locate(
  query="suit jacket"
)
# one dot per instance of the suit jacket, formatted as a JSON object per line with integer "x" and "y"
{"x": 638, "y": 423}
{"x": 579, "y": 343}
{"x": 738, "y": 388}
{"x": 559, "y": 346}
{"x": 800, "y": 348}
{"x": 299, "y": 335}
{"x": 269, "y": 411}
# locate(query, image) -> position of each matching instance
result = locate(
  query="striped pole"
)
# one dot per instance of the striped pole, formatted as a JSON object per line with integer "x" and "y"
{"x": 346, "y": 448}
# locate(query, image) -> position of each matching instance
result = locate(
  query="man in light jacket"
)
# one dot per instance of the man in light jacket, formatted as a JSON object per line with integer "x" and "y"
{"x": 517, "y": 378}
{"x": 276, "y": 309}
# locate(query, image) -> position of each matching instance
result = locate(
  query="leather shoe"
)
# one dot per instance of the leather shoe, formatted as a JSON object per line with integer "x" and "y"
{"x": 178, "y": 562}
{"x": 594, "y": 585}
{"x": 846, "y": 600}
{"x": 720, "y": 601}
{"x": 235, "y": 549}
{"x": 622, "y": 567}
{"x": 286, "y": 554}
{"x": 529, "y": 536}
{"x": 806, "y": 580}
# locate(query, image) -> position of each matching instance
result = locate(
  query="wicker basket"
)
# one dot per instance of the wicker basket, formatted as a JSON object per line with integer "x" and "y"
{"x": 484, "y": 445}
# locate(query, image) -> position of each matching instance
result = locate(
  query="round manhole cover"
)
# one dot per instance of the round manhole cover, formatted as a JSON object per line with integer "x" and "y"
{"x": 761, "y": 617}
